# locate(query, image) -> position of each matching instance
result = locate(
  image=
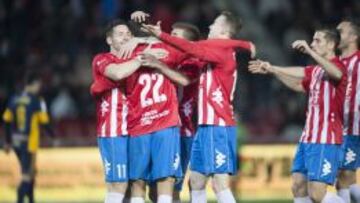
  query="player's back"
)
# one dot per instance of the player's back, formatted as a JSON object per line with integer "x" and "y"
{"x": 24, "y": 109}
{"x": 152, "y": 96}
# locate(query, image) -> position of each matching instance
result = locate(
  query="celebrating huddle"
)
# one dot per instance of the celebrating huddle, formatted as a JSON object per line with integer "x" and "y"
{"x": 148, "y": 91}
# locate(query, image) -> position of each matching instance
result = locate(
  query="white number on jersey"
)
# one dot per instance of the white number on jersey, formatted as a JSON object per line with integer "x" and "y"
{"x": 147, "y": 80}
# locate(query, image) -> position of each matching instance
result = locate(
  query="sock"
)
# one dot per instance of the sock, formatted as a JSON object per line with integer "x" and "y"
{"x": 225, "y": 196}
{"x": 23, "y": 190}
{"x": 332, "y": 198}
{"x": 164, "y": 199}
{"x": 177, "y": 201}
{"x": 302, "y": 199}
{"x": 126, "y": 200}
{"x": 198, "y": 196}
{"x": 137, "y": 200}
{"x": 114, "y": 197}
{"x": 355, "y": 192}
{"x": 344, "y": 194}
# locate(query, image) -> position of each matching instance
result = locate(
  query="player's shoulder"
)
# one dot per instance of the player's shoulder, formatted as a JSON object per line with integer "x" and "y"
{"x": 337, "y": 61}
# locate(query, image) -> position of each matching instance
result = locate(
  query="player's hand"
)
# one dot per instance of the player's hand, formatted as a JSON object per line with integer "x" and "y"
{"x": 7, "y": 148}
{"x": 302, "y": 46}
{"x": 139, "y": 16}
{"x": 152, "y": 29}
{"x": 259, "y": 67}
{"x": 150, "y": 61}
{"x": 157, "y": 52}
{"x": 127, "y": 49}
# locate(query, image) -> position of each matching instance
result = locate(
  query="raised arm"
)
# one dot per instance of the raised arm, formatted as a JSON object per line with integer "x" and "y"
{"x": 174, "y": 75}
{"x": 291, "y": 77}
{"x": 330, "y": 68}
{"x": 120, "y": 71}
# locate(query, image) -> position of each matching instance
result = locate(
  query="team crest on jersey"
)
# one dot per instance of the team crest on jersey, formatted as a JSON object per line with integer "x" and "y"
{"x": 217, "y": 96}
{"x": 187, "y": 108}
{"x": 350, "y": 156}
{"x": 326, "y": 168}
{"x": 220, "y": 158}
{"x": 104, "y": 107}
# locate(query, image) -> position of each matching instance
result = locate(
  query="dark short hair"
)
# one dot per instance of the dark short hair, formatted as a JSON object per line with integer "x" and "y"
{"x": 331, "y": 35}
{"x": 109, "y": 28}
{"x": 192, "y": 32}
{"x": 355, "y": 26}
{"x": 234, "y": 22}
{"x": 31, "y": 77}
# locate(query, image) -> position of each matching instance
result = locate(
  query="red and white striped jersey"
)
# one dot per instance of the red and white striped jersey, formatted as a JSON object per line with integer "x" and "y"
{"x": 324, "y": 117}
{"x": 352, "y": 95}
{"x": 111, "y": 107}
{"x": 188, "y": 96}
{"x": 152, "y": 97}
{"x": 217, "y": 80}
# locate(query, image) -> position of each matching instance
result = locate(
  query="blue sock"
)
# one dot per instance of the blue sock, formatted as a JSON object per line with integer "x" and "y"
{"x": 23, "y": 190}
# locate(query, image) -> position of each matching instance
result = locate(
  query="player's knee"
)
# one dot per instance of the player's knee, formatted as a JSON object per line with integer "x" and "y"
{"x": 197, "y": 181}
{"x": 26, "y": 177}
{"x": 138, "y": 188}
{"x": 117, "y": 187}
{"x": 299, "y": 188}
{"x": 317, "y": 195}
{"x": 345, "y": 179}
{"x": 220, "y": 182}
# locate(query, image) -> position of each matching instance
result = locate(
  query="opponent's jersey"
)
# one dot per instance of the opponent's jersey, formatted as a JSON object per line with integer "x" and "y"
{"x": 217, "y": 80}
{"x": 152, "y": 96}
{"x": 324, "y": 117}
{"x": 111, "y": 105}
{"x": 25, "y": 113}
{"x": 352, "y": 96}
{"x": 188, "y": 96}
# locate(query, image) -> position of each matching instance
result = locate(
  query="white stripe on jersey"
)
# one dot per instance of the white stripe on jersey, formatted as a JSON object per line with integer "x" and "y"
{"x": 113, "y": 112}
{"x": 123, "y": 116}
{"x": 210, "y": 109}
{"x": 356, "y": 106}
{"x": 349, "y": 88}
{"x": 200, "y": 100}
{"x": 221, "y": 122}
{"x": 326, "y": 101}
{"x": 103, "y": 130}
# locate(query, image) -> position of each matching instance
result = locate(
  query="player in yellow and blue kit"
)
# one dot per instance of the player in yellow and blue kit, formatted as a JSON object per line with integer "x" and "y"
{"x": 24, "y": 115}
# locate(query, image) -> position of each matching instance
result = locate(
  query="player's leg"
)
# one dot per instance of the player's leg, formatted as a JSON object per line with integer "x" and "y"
{"x": 199, "y": 162}
{"x": 25, "y": 159}
{"x": 322, "y": 162}
{"x": 299, "y": 176}
{"x": 166, "y": 167}
{"x": 346, "y": 182}
{"x": 186, "y": 143}
{"x": 139, "y": 164}
{"x": 224, "y": 161}
{"x": 113, "y": 152}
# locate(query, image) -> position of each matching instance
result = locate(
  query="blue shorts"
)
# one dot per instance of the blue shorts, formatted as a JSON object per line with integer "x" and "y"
{"x": 156, "y": 155}
{"x": 214, "y": 150}
{"x": 114, "y": 155}
{"x": 186, "y": 143}
{"x": 318, "y": 162}
{"x": 351, "y": 153}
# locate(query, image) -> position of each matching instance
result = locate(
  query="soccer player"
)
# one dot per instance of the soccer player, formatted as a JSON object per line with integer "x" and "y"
{"x": 317, "y": 158}
{"x": 24, "y": 115}
{"x": 214, "y": 151}
{"x": 188, "y": 99}
{"x": 108, "y": 90}
{"x": 350, "y": 56}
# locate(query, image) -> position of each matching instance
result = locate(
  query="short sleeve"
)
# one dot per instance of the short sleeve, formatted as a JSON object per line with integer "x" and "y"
{"x": 100, "y": 62}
